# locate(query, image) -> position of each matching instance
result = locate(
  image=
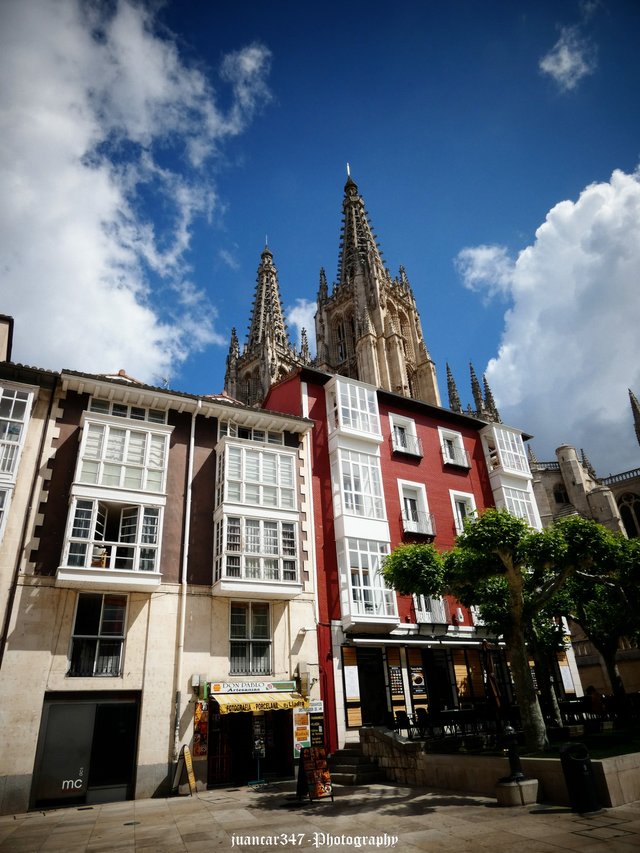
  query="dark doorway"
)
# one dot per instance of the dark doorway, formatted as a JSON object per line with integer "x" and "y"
{"x": 231, "y": 748}
{"x": 373, "y": 692}
{"x": 440, "y": 687}
{"x": 86, "y": 750}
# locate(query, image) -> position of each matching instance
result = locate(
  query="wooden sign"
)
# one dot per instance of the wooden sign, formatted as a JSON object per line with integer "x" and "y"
{"x": 184, "y": 762}
{"x": 314, "y": 778}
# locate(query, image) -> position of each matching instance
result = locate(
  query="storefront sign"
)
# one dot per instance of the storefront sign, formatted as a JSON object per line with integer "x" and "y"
{"x": 314, "y": 777}
{"x": 251, "y": 687}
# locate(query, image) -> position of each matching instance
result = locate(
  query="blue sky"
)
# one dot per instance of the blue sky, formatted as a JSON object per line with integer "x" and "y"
{"x": 148, "y": 149}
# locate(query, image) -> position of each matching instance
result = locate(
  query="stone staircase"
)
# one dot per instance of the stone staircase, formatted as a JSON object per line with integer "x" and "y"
{"x": 349, "y": 766}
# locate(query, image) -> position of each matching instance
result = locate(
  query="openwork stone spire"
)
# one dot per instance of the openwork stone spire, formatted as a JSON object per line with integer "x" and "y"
{"x": 635, "y": 408}
{"x": 268, "y": 354}
{"x": 454, "y": 398}
{"x": 369, "y": 328}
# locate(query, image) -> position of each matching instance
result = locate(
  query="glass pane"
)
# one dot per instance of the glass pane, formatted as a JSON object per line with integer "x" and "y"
{"x": 115, "y": 444}
{"x": 83, "y": 653}
{"x": 239, "y": 620}
{"x": 136, "y": 448}
{"x": 88, "y": 614}
{"x": 252, "y": 533}
{"x": 93, "y": 445}
{"x": 132, "y": 478}
{"x": 150, "y": 523}
{"x": 113, "y": 615}
{"x": 82, "y": 520}
{"x": 108, "y": 657}
{"x": 260, "y": 621}
{"x": 239, "y": 658}
{"x": 111, "y": 475}
{"x": 129, "y": 524}
{"x": 89, "y": 472}
{"x": 269, "y": 468}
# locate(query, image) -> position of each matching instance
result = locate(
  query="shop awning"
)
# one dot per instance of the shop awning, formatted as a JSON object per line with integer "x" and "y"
{"x": 236, "y": 702}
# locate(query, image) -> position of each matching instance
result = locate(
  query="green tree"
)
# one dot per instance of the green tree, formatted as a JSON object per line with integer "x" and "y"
{"x": 515, "y": 572}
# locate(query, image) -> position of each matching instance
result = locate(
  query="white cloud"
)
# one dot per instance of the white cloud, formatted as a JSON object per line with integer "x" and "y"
{"x": 571, "y": 58}
{"x": 101, "y": 120}
{"x": 302, "y": 316}
{"x": 569, "y": 348}
{"x": 486, "y": 268}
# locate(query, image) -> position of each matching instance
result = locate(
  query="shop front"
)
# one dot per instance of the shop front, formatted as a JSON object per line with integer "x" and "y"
{"x": 252, "y": 731}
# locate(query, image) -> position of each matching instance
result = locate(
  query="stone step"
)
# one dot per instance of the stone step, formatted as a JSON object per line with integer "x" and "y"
{"x": 361, "y": 777}
{"x": 348, "y": 757}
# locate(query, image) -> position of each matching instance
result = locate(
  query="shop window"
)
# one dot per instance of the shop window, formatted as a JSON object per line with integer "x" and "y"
{"x": 250, "y": 639}
{"x": 98, "y": 635}
{"x": 108, "y": 535}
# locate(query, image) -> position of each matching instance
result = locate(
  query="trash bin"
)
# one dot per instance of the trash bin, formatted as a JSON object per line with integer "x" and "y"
{"x": 578, "y": 774}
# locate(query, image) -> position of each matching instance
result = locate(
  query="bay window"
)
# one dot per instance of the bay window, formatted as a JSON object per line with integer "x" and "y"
{"x": 123, "y": 458}
{"x": 361, "y": 559}
{"x": 259, "y": 477}
{"x": 110, "y": 535}
{"x": 361, "y": 484}
{"x": 256, "y": 549}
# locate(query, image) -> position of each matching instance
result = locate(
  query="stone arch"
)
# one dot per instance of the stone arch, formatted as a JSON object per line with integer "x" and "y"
{"x": 629, "y": 506}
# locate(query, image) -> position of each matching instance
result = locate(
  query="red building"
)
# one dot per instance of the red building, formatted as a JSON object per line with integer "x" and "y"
{"x": 388, "y": 469}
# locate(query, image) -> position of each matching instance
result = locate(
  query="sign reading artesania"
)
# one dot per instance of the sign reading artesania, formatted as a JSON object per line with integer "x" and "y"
{"x": 252, "y": 687}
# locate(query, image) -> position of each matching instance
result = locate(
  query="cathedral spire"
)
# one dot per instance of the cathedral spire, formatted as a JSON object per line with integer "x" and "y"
{"x": 476, "y": 392}
{"x": 323, "y": 290}
{"x": 267, "y": 318}
{"x": 359, "y": 252}
{"x": 454, "y": 398}
{"x": 635, "y": 408}
{"x": 304, "y": 347}
{"x": 489, "y": 402}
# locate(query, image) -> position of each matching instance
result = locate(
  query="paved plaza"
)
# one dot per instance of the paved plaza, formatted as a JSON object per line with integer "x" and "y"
{"x": 374, "y": 817}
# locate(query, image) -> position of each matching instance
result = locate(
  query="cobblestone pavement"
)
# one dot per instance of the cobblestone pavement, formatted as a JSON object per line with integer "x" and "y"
{"x": 267, "y": 818}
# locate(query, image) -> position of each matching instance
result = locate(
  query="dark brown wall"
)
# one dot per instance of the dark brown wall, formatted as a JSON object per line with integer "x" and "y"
{"x": 200, "y": 566}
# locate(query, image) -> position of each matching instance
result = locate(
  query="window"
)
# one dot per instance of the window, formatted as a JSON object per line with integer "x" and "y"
{"x": 249, "y": 433}
{"x": 403, "y": 436}
{"x": 416, "y": 517}
{"x": 4, "y": 506}
{"x": 464, "y": 507}
{"x": 256, "y": 549}
{"x": 98, "y": 635}
{"x": 452, "y": 448}
{"x": 505, "y": 449}
{"x": 355, "y": 406}
{"x": 250, "y": 639}
{"x": 122, "y": 410}
{"x": 520, "y": 504}
{"x": 369, "y": 595}
{"x": 14, "y": 413}
{"x": 361, "y": 484}
{"x": 259, "y": 477}
{"x": 123, "y": 458}
{"x": 431, "y": 611}
{"x": 629, "y": 505}
{"x": 113, "y": 536}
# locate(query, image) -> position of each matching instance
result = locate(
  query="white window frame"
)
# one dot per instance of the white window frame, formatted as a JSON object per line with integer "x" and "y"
{"x": 241, "y": 487}
{"x": 248, "y": 433}
{"x": 241, "y": 555}
{"x": 431, "y": 610}
{"x": 13, "y": 428}
{"x": 505, "y": 450}
{"x": 92, "y": 551}
{"x": 469, "y": 500}
{"x": 423, "y": 522}
{"x": 99, "y": 637}
{"x": 249, "y": 640}
{"x": 123, "y": 410}
{"x": 97, "y": 462}
{"x": 520, "y": 503}
{"x": 404, "y": 436}
{"x": 361, "y": 484}
{"x": 368, "y": 596}
{"x": 353, "y": 406}
{"x": 452, "y": 448}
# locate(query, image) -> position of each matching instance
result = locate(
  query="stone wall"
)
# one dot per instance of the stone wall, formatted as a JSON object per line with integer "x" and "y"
{"x": 617, "y": 780}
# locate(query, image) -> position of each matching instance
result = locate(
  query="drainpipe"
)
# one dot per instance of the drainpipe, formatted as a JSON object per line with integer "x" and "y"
{"x": 183, "y": 585}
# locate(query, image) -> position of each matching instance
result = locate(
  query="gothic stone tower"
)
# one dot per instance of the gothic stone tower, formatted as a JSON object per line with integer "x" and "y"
{"x": 369, "y": 327}
{"x": 268, "y": 354}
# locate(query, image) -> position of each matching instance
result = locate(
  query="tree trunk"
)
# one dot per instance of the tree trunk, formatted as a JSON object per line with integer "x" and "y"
{"x": 547, "y": 682}
{"x": 535, "y": 731}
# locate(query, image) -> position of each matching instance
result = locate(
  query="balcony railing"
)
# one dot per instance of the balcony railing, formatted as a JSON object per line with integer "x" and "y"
{"x": 371, "y": 601}
{"x": 438, "y": 612}
{"x": 409, "y": 444}
{"x": 455, "y": 456}
{"x": 421, "y": 523}
{"x": 112, "y": 555}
